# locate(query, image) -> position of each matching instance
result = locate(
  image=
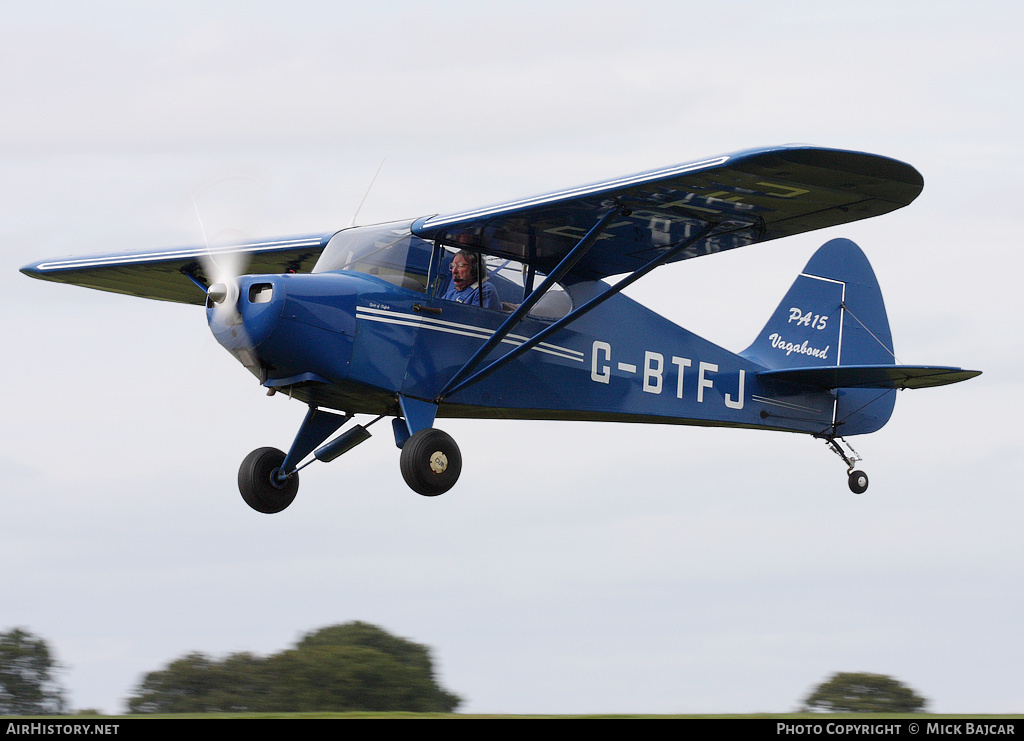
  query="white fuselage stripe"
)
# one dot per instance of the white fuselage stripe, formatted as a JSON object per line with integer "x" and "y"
{"x": 784, "y": 404}
{"x": 465, "y": 330}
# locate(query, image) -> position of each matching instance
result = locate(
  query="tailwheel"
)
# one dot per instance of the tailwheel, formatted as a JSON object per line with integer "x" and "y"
{"x": 431, "y": 462}
{"x": 261, "y": 483}
{"x": 858, "y": 482}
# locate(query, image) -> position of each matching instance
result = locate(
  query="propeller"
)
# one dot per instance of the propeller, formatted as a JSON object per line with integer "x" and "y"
{"x": 229, "y": 210}
{"x": 222, "y": 269}
{"x": 222, "y": 265}
{"x": 227, "y": 202}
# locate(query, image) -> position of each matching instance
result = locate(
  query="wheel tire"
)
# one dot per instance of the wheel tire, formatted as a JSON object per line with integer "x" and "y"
{"x": 858, "y": 482}
{"x": 257, "y": 485}
{"x": 431, "y": 462}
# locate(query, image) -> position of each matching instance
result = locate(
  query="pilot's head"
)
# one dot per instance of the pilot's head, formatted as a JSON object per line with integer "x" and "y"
{"x": 464, "y": 269}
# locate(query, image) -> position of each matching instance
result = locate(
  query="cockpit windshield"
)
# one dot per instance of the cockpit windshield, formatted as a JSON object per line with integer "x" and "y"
{"x": 389, "y": 251}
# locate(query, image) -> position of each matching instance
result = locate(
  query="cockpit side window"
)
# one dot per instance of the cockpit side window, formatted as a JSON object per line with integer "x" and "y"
{"x": 510, "y": 279}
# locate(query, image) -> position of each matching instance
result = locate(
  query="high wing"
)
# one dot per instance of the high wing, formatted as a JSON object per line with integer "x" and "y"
{"x": 172, "y": 274}
{"x": 673, "y": 213}
{"x": 748, "y": 197}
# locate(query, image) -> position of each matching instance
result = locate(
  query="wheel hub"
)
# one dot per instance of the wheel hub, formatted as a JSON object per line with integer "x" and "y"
{"x": 438, "y": 462}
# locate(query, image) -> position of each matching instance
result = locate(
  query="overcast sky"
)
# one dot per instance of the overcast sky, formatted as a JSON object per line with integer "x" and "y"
{"x": 575, "y": 567}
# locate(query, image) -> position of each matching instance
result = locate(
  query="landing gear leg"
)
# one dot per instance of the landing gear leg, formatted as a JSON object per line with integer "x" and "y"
{"x": 857, "y": 480}
{"x": 269, "y": 479}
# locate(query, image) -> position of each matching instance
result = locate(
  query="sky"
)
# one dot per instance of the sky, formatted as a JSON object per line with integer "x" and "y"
{"x": 575, "y": 567}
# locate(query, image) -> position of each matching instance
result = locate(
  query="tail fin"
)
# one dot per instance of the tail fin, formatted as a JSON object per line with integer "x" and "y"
{"x": 833, "y": 316}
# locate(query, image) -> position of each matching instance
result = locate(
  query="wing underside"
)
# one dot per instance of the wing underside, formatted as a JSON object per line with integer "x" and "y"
{"x": 171, "y": 274}
{"x": 749, "y": 197}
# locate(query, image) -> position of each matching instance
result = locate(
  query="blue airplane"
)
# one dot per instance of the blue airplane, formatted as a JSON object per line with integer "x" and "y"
{"x": 502, "y": 313}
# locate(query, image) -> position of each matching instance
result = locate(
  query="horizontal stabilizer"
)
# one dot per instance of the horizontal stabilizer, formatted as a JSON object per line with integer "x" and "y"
{"x": 870, "y": 376}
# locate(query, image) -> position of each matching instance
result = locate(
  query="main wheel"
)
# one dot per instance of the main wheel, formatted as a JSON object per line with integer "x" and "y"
{"x": 258, "y": 484}
{"x": 858, "y": 482}
{"x": 431, "y": 462}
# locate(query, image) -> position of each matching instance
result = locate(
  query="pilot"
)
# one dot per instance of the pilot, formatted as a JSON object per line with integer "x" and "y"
{"x": 466, "y": 288}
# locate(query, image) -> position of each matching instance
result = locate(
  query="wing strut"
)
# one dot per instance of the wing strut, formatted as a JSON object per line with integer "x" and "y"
{"x": 452, "y": 387}
{"x": 581, "y": 248}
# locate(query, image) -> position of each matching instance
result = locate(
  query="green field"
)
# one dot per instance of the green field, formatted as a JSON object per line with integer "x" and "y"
{"x": 819, "y": 717}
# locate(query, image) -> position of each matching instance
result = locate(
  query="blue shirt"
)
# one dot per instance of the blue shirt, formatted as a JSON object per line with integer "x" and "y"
{"x": 471, "y": 295}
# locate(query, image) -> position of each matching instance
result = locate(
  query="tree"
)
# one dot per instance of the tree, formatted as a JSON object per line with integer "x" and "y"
{"x": 846, "y": 692}
{"x": 195, "y": 683}
{"x": 28, "y": 681}
{"x": 356, "y": 666}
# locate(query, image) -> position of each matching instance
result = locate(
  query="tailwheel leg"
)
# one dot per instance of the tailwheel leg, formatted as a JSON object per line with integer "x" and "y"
{"x": 857, "y": 480}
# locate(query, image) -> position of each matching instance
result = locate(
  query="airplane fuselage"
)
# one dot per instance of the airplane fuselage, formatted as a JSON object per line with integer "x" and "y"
{"x": 355, "y": 342}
